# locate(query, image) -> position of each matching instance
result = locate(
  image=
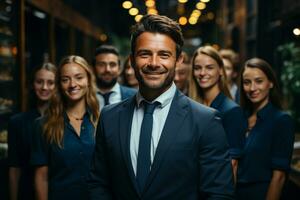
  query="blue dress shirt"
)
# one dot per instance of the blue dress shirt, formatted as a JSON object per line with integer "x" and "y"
{"x": 68, "y": 166}
{"x": 234, "y": 123}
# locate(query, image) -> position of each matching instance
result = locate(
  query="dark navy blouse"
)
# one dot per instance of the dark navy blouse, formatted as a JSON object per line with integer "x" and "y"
{"x": 68, "y": 166}
{"x": 20, "y": 130}
{"x": 268, "y": 147}
{"x": 234, "y": 123}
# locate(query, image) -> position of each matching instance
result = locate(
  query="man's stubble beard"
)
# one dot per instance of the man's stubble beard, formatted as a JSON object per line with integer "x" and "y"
{"x": 106, "y": 84}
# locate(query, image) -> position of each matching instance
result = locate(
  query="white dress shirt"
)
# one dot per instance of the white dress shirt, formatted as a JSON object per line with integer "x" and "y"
{"x": 159, "y": 118}
{"x": 115, "y": 97}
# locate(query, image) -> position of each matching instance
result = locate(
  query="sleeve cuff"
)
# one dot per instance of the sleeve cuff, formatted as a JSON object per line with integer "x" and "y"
{"x": 280, "y": 163}
{"x": 235, "y": 153}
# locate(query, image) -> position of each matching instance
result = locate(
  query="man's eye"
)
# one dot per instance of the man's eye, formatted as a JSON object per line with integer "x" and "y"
{"x": 64, "y": 80}
{"x": 112, "y": 64}
{"x": 144, "y": 55}
{"x": 101, "y": 64}
{"x": 165, "y": 56}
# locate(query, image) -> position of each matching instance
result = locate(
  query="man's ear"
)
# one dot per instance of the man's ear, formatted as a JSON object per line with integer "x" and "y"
{"x": 179, "y": 60}
{"x": 131, "y": 58}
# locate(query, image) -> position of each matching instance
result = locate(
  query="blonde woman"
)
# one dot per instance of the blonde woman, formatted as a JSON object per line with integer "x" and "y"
{"x": 208, "y": 86}
{"x": 20, "y": 131}
{"x": 64, "y": 139}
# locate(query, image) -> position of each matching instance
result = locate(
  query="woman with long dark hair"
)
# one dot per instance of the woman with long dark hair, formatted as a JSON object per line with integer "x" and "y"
{"x": 263, "y": 168}
{"x": 65, "y": 138}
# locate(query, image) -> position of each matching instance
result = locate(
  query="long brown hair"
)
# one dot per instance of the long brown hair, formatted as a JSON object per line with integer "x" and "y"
{"x": 195, "y": 92}
{"x": 54, "y": 125}
{"x": 265, "y": 67}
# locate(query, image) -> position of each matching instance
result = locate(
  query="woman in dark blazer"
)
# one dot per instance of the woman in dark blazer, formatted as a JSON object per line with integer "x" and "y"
{"x": 208, "y": 86}
{"x": 64, "y": 139}
{"x": 269, "y": 140}
{"x": 20, "y": 133}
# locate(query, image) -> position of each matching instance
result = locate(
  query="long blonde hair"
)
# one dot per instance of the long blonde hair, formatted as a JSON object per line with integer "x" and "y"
{"x": 54, "y": 125}
{"x": 195, "y": 92}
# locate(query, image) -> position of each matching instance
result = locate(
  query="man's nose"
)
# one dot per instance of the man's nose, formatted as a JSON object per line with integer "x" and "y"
{"x": 154, "y": 61}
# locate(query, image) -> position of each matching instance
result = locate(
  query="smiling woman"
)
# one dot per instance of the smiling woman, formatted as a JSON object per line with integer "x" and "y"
{"x": 265, "y": 164}
{"x": 66, "y": 133}
{"x": 20, "y": 133}
{"x": 208, "y": 85}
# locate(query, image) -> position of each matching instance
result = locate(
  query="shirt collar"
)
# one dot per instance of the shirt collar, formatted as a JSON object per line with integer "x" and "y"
{"x": 164, "y": 99}
{"x": 265, "y": 111}
{"x": 218, "y": 100}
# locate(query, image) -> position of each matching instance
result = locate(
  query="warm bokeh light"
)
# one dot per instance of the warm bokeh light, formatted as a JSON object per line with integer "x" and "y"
{"x": 152, "y": 11}
{"x": 138, "y": 18}
{"x": 296, "y": 31}
{"x": 127, "y": 4}
{"x": 205, "y": 1}
{"x": 182, "y": 1}
{"x": 200, "y": 5}
{"x": 182, "y": 21}
{"x": 210, "y": 16}
{"x": 14, "y": 50}
{"x": 103, "y": 37}
{"x": 196, "y": 13}
{"x": 133, "y": 11}
{"x": 150, "y": 3}
{"x": 193, "y": 20}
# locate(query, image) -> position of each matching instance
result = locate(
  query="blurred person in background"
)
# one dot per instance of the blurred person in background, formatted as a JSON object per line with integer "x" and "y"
{"x": 20, "y": 132}
{"x": 64, "y": 138}
{"x": 264, "y": 167}
{"x": 107, "y": 70}
{"x": 182, "y": 74}
{"x": 229, "y": 58}
{"x": 128, "y": 75}
{"x": 209, "y": 87}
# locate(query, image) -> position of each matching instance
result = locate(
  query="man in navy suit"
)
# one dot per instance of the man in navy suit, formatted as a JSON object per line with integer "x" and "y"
{"x": 186, "y": 155}
{"x": 107, "y": 69}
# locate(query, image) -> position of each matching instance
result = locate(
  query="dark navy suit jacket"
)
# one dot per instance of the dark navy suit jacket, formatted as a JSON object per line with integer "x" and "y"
{"x": 234, "y": 123}
{"x": 127, "y": 92}
{"x": 191, "y": 161}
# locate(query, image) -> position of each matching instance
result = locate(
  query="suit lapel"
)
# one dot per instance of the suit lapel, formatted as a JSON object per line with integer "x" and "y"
{"x": 125, "y": 120}
{"x": 176, "y": 115}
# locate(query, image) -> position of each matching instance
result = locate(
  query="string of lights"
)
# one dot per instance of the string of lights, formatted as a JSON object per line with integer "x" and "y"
{"x": 183, "y": 20}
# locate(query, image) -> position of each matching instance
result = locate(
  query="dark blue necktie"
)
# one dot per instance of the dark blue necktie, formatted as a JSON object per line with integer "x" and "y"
{"x": 144, "y": 157}
{"x": 106, "y": 97}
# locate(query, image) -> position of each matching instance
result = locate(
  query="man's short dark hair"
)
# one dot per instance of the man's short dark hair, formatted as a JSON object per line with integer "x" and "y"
{"x": 158, "y": 24}
{"x": 106, "y": 49}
